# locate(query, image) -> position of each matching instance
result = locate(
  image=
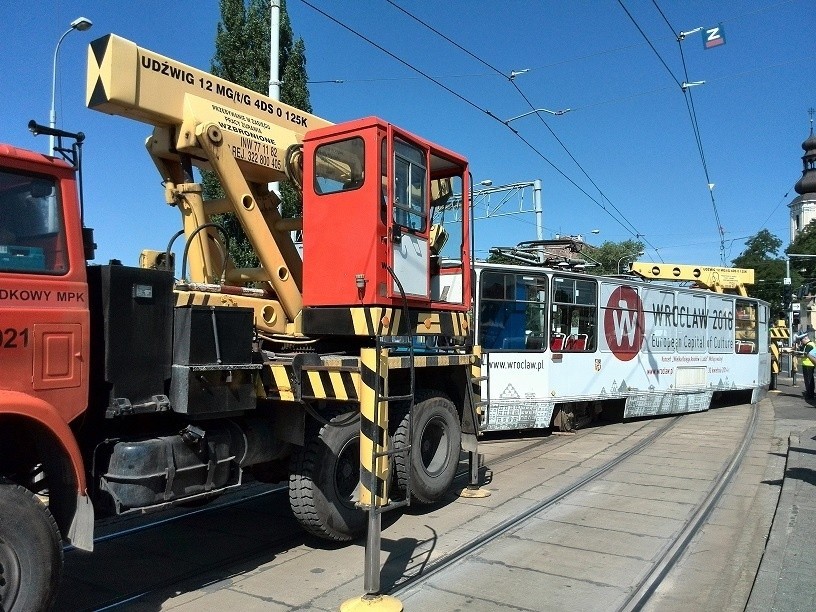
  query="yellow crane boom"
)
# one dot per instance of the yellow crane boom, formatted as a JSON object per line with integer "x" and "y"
{"x": 714, "y": 278}
{"x": 246, "y": 138}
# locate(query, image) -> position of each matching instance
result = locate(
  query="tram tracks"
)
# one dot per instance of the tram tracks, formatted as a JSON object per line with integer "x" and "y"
{"x": 634, "y": 595}
{"x": 277, "y": 489}
{"x": 509, "y": 524}
{"x": 675, "y": 550}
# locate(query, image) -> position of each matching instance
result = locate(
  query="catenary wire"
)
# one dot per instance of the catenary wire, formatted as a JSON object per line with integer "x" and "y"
{"x": 530, "y": 104}
{"x": 692, "y": 114}
{"x": 696, "y": 127}
{"x": 477, "y": 107}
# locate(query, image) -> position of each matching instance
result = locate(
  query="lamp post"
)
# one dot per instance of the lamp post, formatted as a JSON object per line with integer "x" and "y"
{"x": 80, "y": 24}
{"x": 627, "y": 256}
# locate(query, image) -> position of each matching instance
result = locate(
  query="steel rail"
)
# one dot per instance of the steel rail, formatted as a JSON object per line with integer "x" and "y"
{"x": 129, "y": 598}
{"x": 675, "y": 549}
{"x": 507, "y": 525}
{"x": 216, "y": 506}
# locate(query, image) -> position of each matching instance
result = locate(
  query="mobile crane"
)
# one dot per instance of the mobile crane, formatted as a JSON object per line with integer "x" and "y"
{"x": 349, "y": 370}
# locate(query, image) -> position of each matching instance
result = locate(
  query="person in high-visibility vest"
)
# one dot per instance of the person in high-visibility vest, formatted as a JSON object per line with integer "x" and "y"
{"x": 808, "y": 348}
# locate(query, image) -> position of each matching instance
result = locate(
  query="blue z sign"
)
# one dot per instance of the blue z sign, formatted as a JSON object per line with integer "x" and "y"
{"x": 713, "y": 37}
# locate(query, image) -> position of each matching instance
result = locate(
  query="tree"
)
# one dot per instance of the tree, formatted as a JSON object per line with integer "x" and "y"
{"x": 761, "y": 255}
{"x": 242, "y": 57}
{"x": 803, "y": 244}
{"x": 614, "y": 257}
{"x": 294, "y": 92}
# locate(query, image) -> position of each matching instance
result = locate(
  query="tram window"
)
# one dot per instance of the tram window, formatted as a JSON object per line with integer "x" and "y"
{"x": 512, "y": 311}
{"x": 745, "y": 328}
{"x": 574, "y": 321}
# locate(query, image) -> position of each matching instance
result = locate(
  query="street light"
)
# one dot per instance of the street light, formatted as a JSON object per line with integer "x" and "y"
{"x": 627, "y": 256}
{"x": 80, "y": 24}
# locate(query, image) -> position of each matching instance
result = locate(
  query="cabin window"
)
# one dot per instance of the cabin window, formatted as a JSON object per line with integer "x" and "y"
{"x": 32, "y": 235}
{"x": 339, "y": 166}
{"x": 410, "y": 179}
{"x": 447, "y": 219}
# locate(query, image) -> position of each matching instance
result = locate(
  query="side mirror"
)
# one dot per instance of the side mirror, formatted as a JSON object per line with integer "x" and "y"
{"x": 88, "y": 244}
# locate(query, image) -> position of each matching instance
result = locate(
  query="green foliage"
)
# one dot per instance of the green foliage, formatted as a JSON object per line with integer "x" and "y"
{"x": 242, "y": 57}
{"x": 294, "y": 92}
{"x": 803, "y": 268}
{"x": 242, "y": 44}
{"x": 761, "y": 255}
{"x": 761, "y": 247}
{"x": 614, "y": 257}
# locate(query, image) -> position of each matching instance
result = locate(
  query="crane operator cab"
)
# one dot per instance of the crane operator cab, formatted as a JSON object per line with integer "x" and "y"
{"x": 380, "y": 195}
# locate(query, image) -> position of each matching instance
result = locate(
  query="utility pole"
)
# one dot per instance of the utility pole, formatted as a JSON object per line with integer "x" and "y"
{"x": 274, "y": 49}
{"x": 274, "y": 72}
{"x": 539, "y": 212}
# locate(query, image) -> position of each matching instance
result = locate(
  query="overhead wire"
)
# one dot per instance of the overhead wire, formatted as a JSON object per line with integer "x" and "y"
{"x": 685, "y": 88}
{"x": 778, "y": 204}
{"x": 689, "y": 102}
{"x": 530, "y": 104}
{"x": 480, "y": 109}
{"x": 572, "y": 59}
{"x": 696, "y": 127}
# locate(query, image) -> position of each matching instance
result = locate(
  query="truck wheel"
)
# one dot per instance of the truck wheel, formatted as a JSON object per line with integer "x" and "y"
{"x": 30, "y": 551}
{"x": 324, "y": 481}
{"x": 436, "y": 441}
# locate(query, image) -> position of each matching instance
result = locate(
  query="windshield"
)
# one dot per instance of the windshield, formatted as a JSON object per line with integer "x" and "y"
{"x": 32, "y": 238}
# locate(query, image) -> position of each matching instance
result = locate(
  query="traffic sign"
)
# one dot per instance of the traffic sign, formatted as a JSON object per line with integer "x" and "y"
{"x": 713, "y": 37}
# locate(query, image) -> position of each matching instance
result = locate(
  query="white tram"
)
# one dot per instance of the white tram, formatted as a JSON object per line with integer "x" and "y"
{"x": 560, "y": 347}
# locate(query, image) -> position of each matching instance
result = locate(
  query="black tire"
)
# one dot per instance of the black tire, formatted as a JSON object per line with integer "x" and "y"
{"x": 324, "y": 481}
{"x": 30, "y": 551}
{"x": 437, "y": 438}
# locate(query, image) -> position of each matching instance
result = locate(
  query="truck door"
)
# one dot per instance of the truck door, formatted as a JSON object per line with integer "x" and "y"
{"x": 43, "y": 294}
{"x": 408, "y": 221}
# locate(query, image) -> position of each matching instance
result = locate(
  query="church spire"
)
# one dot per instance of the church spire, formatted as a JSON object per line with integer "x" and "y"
{"x": 807, "y": 184}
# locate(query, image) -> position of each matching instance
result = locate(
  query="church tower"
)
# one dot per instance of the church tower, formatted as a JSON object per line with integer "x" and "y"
{"x": 803, "y": 206}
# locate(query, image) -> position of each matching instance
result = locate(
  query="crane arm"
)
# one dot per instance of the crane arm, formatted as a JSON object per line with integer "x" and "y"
{"x": 711, "y": 277}
{"x": 246, "y": 138}
{"x": 127, "y": 80}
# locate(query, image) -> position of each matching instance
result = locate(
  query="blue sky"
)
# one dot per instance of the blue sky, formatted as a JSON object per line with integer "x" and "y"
{"x": 629, "y": 128}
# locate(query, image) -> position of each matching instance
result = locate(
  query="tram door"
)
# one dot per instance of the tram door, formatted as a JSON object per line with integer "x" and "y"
{"x": 512, "y": 330}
